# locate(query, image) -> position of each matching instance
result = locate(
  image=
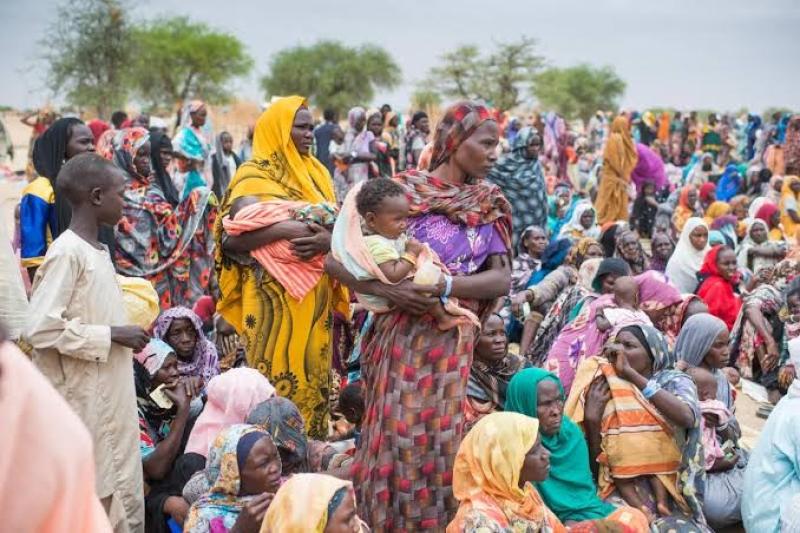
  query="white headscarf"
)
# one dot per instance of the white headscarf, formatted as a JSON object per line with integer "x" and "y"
{"x": 752, "y": 211}
{"x": 574, "y": 223}
{"x": 685, "y": 263}
{"x": 748, "y": 242}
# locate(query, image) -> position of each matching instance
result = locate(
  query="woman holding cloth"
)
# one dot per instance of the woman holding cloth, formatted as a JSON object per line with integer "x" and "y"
{"x": 288, "y": 340}
{"x": 415, "y": 375}
{"x": 619, "y": 159}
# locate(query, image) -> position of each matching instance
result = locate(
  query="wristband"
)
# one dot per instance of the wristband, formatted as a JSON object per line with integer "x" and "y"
{"x": 651, "y": 389}
{"x": 448, "y": 287}
{"x": 411, "y": 258}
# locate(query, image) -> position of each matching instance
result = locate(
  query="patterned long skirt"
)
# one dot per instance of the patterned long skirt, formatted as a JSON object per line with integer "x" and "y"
{"x": 415, "y": 379}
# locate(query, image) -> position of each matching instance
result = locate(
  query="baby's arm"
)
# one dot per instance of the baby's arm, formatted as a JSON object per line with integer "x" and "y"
{"x": 602, "y": 322}
{"x": 396, "y": 270}
{"x": 240, "y": 203}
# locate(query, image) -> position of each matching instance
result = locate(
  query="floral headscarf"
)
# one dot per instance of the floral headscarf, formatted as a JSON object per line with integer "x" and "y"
{"x": 205, "y": 362}
{"x": 282, "y": 420}
{"x": 578, "y": 252}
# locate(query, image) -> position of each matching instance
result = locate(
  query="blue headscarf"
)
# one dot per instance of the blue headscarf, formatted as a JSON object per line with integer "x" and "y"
{"x": 729, "y": 182}
{"x": 552, "y": 257}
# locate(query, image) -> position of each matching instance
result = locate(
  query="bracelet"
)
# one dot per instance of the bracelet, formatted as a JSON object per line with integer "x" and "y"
{"x": 448, "y": 287}
{"x": 651, "y": 389}
{"x": 411, "y": 258}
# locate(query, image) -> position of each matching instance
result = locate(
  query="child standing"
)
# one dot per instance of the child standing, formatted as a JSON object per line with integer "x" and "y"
{"x": 80, "y": 338}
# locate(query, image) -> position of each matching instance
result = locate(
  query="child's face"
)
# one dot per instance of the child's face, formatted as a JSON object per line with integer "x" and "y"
{"x": 227, "y": 143}
{"x": 649, "y": 189}
{"x": 391, "y": 219}
{"x": 338, "y": 135}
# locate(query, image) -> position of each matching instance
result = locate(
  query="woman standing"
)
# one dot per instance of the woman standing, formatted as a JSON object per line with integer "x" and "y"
{"x": 194, "y": 142}
{"x": 415, "y": 375}
{"x": 519, "y": 175}
{"x": 619, "y": 159}
{"x": 289, "y": 341}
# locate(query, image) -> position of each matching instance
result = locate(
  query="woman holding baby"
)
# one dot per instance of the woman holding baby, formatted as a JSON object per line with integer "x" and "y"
{"x": 416, "y": 374}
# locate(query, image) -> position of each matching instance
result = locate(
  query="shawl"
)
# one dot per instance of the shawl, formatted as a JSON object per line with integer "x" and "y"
{"x": 301, "y": 504}
{"x": 554, "y": 255}
{"x": 649, "y": 167}
{"x": 686, "y": 261}
{"x": 742, "y": 255}
{"x": 716, "y": 210}
{"x": 281, "y": 418}
{"x": 231, "y": 397}
{"x": 470, "y": 205}
{"x": 222, "y": 504}
{"x": 716, "y": 291}
{"x": 458, "y": 123}
{"x": 491, "y": 381}
{"x": 205, "y": 363}
{"x": 277, "y": 171}
{"x": 574, "y": 229}
{"x": 619, "y": 159}
{"x": 683, "y": 211}
{"x": 159, "y": 141}
{"x": 695, "y": 340}
{"x": 729, "y": 182}
{"x": 522, "y": 181}
{"x": 655, "y": 292}
{"x": 569, "y": 491}
{"x": 578, "y": 252}
{"x": 487, "y": 469}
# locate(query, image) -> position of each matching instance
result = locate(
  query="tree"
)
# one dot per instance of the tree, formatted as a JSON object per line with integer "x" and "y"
{"x": 578, "y": 91}
{"x": 331, "y": 75}
{"x": 88, "y": 51}
{"x": 178, "y": 59}
{"x": 501, "y": 78}
{"x": 425, "y": 98}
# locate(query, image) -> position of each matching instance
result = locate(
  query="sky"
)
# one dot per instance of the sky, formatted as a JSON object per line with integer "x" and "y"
{"x": 687, "y": 54}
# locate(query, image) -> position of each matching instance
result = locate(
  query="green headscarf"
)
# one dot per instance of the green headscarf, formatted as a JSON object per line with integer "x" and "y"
{"x": 569, "y": 491}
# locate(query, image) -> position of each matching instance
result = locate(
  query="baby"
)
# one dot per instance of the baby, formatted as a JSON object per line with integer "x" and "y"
{"x": 716, "y": 457}
{"x": 626, "y": 312}
{"x": 384, "y": 211}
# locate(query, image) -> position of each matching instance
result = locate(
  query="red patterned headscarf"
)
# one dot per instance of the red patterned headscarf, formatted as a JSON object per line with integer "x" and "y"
{"x": 458, "y": 124}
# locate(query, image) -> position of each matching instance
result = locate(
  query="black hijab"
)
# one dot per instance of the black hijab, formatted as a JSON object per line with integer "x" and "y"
{"x": 158, "y": 142}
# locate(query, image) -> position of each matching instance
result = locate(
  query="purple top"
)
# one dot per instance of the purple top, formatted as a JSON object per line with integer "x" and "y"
{"x": 462, "y": 249}
{"x": 649, "y": 167}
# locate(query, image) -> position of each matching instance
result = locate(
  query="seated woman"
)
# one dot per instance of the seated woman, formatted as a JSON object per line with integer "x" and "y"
{"x": 569, "y": 490}
{"x": 703, "y": 342}
{"x": 582, "y": 224}
{"x": 182, "y": 329}
{"x": 641, "y": 375}
{"x": 772, "y": 478}
{"x": 243, "y": 473}
{"x": 662, "y": 247}
{"x": 164, "y": 422}
{"x": 629, "y": 248}
{"x": 719, "y": 278}
{"x": 497, "y": 464}
{"x": 313, "y": 502}
{"x": 492, "y": 369}
{"x": 756, "y": 251}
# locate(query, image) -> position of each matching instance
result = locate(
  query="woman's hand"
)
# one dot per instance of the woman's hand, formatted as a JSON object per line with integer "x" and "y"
{"x": 317, "y": 243}
{"x": 596, "y": 399}
{"x": 786, "y": 375}
{"x": 180, "y": 396}
{"x": 770, "y": 358}
{"x": 252, "y": 514}
{"x": 177, "y": 508}
{"x": 410, "y": 297}
{"x": 616, "y": 356}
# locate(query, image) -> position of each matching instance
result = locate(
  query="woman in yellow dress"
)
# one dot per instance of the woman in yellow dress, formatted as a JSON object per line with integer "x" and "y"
{"x": 288, "y": 340}
{"x": 619, "y": 158}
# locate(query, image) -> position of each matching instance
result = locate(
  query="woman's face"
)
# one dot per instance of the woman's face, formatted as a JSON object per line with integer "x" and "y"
{"x": 360, "y": 123}
{"x": 691, "y": 198}
{"x": 699, "y": 238}
{"x": 375, "y": 125}
{"x": 478, "y": 153}
{"x": 758, "y": 233}
{"x": 182, "y": 336}
{"x": 607, "y": 283}
{"x": 726, "y": 263}
{"x": 793, "y": 304}
{"x": 549, "y": 407}
{"x": 595, "y": 251}
{"x": 629, "y": 246}
{"x": 166, "y": 157}
{"x": 262, "y": 469}
{"x": 662, "y": 248}
{"x": 344, "y": 519}
{"x": 587, "y": 218}
{"x": 80, "y": 140}
{"x": 492, "y": 343}
{"x": 717, "y": 356}
{"x": 141, "y": 162}
{"x": 303, "y": 131}
{"x": 199, "y": 117}
{"x": 636, "y": 354}
{"x": 536, "y": 466}
{"x": 536, "y": 242}
{"x": 775, "y": 219}
{"x": 166, "y": 375}
{"x": 533, "y": 148}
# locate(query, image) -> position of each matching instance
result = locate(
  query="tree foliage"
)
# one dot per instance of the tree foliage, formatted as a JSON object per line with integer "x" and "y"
{"x": 88, "y": 52}
{"x": 331, "y": 75}
{"x": 178, "y": 59}
{"x": 579, "y": 91}
{"x": 501, "y": 78}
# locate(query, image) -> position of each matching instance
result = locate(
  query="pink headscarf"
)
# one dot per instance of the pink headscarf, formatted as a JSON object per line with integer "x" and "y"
{"x": 231, "y": 397}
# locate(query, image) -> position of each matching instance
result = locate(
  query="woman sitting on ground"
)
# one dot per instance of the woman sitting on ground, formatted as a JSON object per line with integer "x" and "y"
{"x": 756, "y": 251}
{"x": 497, "y": 465}
{"x": 662, "y": 247}
{"x": 629, "y": 248}
{"x": 492, "y": 369}
{"x": 182, "y": 329}
{"x": 640, "y": 372}
{"x": 719, "y": 278}
{"x": 243, "y": 473}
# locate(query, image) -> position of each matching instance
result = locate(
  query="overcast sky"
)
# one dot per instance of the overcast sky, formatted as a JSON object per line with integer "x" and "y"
{"x": 721, "y": 54}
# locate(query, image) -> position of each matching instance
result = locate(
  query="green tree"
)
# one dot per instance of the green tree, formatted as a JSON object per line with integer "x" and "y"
{"x": 578, "y": 91}
{"x": 88, "y": 51}
{"x": 331, "y": 75}
{"x": 501, "y": 78}
{"x": 178, "y": 59}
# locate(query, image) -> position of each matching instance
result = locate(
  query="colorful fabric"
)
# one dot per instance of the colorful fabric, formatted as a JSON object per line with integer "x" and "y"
{"x": 457, "y": 125}
{"x": 522, "y": 181}
{"x": 649, "y": 168}
{"x": 729, "y": 183}
{"x": 298, "y": 277}
{"x": 205, "y": 362}
{"x": 152, "y": 356}
{"x": 37, "y": 221}
{"x": 716, "y": 209}
{"x": 686, "y": 260}
{"x": 490, "y": 382}
{"x": 716, "y": 291}
{"x": 791, "y": 146}
{"x": 218, "y": 510}
{"x": 153, "y": 420}
{"x": 743, "y": 257}
{"x": 619, "y": 160}
{"x": 789, "y": 201}
{"x": 713, "y": 450}
{"x": 252, "y": 301}
{"x": 231, "y": 397}
{"x": 301, "y": 504}
{"x": 683, "y": 212}
{"x": 569, "y": 491}
{"x": 284, "y": 423}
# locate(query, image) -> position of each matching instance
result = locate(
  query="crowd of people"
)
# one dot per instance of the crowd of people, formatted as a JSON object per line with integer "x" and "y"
{"x": 474, "y": 323}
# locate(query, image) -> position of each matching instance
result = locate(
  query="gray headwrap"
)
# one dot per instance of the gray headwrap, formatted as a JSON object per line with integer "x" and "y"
{"x": 696, "y": 337}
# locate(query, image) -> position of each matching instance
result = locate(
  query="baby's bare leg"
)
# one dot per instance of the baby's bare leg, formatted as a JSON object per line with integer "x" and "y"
{"x": 627, "y": 489}
{"x": 661, "y": 496}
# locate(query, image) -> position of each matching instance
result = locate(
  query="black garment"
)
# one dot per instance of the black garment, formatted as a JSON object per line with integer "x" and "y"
{"x": 160, "y": 141}
{"x": 186, "y": 465}
{"x": 643, "y": 217}
{"x": 222, "y": 177}
{"x": 322, "y": 138}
